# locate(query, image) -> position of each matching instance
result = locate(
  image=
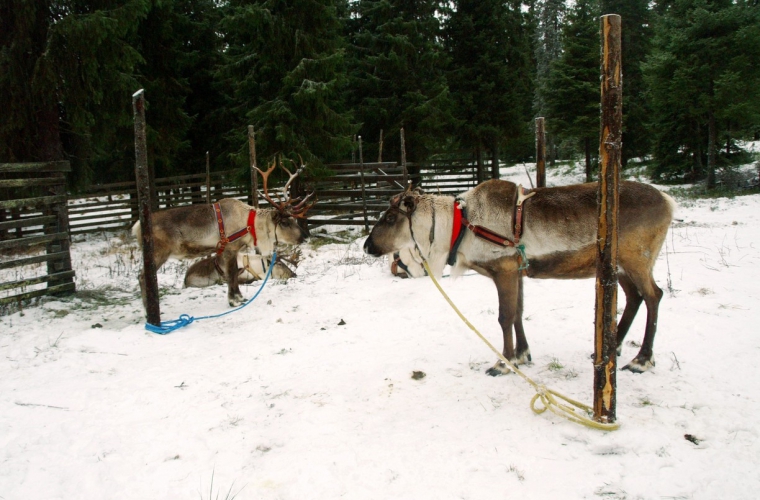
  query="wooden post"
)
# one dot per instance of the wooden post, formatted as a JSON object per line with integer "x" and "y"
{"x": 380, "y": 148}
{"x": 610, "y": 149}
{"x": 144, "y": 189}
{"x": 254, "y": 179}
{"x": 403, "y": 160}
{"x": 208, "y": 180}
{"x": 364, "y": 194}
{"x": 540, "y": 153}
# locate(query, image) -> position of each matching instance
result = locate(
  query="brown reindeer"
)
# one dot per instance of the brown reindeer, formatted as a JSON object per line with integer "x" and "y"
{"x": 226, "y": 226}
{"x": 251, "y": 267}
{"x": 556, "y": 228}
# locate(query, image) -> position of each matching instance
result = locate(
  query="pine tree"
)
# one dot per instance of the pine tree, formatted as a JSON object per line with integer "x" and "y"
{"x": 284, "y": 74}
{"x": 490, "y": 77}
{"x": 702, "y": 76}
{"x": 397, "y": 75}
{"x": 573, "y": 97}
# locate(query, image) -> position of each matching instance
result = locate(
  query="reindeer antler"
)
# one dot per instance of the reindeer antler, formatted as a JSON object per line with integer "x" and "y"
{"x": 286, "y": 205}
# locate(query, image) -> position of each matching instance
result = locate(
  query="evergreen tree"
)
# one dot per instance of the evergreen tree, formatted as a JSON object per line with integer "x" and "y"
{"x": 66, "y": 75}
{"x": 284, "y": 74}
{"x": 702, "y": 75}
{"x": 490, "y": 78}
{"x": 547, "y": 49}
{"x": 397, "y": 75}
{"x": 636, "y": 43}
{"x": 573, "y": 97}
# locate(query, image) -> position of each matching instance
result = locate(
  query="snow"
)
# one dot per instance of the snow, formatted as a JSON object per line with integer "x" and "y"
{"x": 308, "y": 391}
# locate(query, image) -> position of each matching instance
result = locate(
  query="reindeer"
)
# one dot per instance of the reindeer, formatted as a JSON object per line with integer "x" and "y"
{"x": 193, "y": 231}
{"x": 553, "y": 235}
{"x": 252, "y": 267}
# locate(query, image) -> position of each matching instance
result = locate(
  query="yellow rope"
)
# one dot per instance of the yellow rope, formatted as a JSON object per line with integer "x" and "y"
{"x": 549, "y": 397}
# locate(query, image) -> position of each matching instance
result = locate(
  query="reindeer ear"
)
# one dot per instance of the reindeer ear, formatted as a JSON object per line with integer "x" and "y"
{"x": 410, "y": 202}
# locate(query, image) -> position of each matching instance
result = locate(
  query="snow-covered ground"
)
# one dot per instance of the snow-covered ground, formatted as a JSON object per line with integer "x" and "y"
{"x": 307, "y": 393}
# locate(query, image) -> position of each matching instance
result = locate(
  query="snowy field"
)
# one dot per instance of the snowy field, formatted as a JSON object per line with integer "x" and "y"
{"x": 308, "y": 392}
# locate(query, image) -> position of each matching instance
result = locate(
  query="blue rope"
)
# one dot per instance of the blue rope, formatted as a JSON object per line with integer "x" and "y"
{"x": 186, "y": 319}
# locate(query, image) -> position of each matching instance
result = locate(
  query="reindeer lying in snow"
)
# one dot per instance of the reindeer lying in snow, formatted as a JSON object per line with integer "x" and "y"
{"x": 556, "y": 227}
{"x": 251, "y": 267}
{"x": 196, "y": 230}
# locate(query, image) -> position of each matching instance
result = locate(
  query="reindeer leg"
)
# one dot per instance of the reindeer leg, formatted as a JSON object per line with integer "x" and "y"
{"x": 229, "y": 266}
{"x": 652, "y": 295}
{"x": 522, "y": 350}
{"x": 633, "y": 301}
{"x": 508, "y": 286}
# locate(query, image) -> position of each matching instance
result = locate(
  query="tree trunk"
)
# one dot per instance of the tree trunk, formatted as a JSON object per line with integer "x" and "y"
{"x": 479, "y": 159}
{"x": 711, "y": 150}
{"x": 494, "y": 159}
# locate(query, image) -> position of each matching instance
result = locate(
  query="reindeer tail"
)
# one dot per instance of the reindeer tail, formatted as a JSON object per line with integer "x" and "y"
{"x": 136, "y": 232}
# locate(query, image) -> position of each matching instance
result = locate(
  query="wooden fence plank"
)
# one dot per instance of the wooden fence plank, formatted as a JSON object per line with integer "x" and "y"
{"x": 25, "y": 261}
{"x": 50, "y": 166}
{"x": 32, "y": 240}
{"x": 50, "y": 290}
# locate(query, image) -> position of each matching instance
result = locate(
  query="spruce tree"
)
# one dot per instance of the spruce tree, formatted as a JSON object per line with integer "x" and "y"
{"x": 488, "y": 42}
{"x": 573, "y": 96}
{"x": 636, "y": 42}
{"x": 397, "y": 75}
{"x": 284, "y": 73}
{"x": 702, "y": 76}
{"x": 66, "y": 76}
{"x": 547, "y": 49}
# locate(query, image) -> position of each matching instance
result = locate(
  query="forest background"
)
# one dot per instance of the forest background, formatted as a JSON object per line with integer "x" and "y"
{"x": 462, "y": 76}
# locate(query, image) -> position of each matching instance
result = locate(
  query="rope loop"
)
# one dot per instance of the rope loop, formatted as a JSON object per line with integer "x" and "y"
{"x": 185, "y": 319}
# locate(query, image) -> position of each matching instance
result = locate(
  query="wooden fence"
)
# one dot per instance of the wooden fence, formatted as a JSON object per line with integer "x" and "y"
{"x": 343, "y": 195}
{"x": 34, "y": 232}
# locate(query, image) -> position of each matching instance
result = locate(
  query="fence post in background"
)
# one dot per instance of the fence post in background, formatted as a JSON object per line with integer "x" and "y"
{"x": 254, "y": 179}
{"x": 610, "y": 145}
{"x": 144, "y": 189}
{"x": 403, "y": 160}
{"x": 380, "y": 148}
{"x": 364, "y": 194}
{"x": 208, "y": 180}
{"x": 540, "y": 153}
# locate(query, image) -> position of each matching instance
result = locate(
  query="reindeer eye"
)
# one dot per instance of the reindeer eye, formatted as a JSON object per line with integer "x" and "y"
{"x": 390, "y": 218}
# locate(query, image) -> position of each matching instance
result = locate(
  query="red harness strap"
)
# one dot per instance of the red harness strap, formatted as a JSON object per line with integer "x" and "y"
{"x": 223, "y": 239}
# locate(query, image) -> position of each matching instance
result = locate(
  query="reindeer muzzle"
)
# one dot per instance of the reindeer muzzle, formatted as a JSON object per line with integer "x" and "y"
{"x": 370, "y": 248}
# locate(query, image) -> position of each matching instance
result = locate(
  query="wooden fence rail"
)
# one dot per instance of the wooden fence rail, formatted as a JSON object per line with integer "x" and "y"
{"x": 34, "y": 230}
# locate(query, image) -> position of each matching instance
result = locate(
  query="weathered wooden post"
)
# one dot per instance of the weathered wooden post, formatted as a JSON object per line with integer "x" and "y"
{"x": 540, "y": 153}
{"x": 254, "y": 179}
{"x": 380, "y": 148}
{"x": 364, "y": 194}
{"x": 144, "y": 190}
{"x": 403, "y": 160}
{"x": 610, "y": 146}
{"x": 208, "y": 180}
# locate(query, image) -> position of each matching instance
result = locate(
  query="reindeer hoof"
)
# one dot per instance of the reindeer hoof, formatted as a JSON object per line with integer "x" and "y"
{"x": 637, "y": 366}
{"x": 523, "y": 358}
{"x": 498, "y": 370}
{"x": 236, "y": 301}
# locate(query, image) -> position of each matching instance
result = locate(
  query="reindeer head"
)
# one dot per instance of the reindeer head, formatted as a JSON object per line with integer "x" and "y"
{"x": 392, "y": 232}
{"x": 286, "y": 209}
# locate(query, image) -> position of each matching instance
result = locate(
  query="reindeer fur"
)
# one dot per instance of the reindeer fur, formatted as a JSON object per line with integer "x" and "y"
{"x": 192, "y": 231}
{"x": 559, "y": 235}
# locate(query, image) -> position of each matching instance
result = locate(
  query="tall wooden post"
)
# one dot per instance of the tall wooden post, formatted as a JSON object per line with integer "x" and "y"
{"x": 610, "y": 149}
{"x": 208, "y": 180}
{"x": 144, "y": 190}
{"x": 364, "y": 194}
{"x": 540, "y": 153}
{"x": 380, "y": 148}
{"x": 254, "y": 179}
